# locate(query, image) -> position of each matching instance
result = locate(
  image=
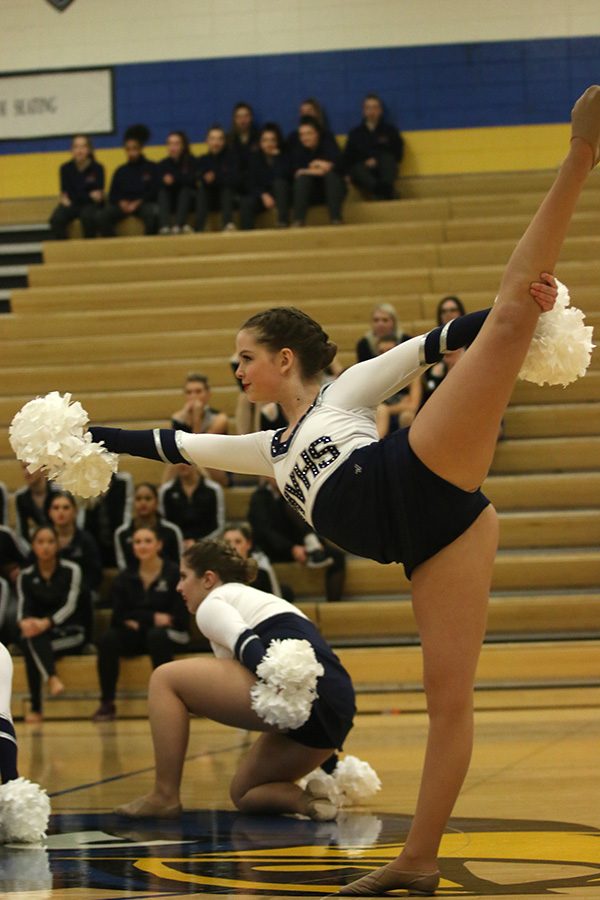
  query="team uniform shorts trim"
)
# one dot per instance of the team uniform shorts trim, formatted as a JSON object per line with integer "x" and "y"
{"x": 384, "y": 504}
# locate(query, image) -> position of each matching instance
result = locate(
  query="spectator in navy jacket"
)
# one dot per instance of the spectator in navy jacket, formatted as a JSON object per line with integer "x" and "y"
{"x": 194, "y": 503}
{"x": 49, "y": 615}
{"x": 134, "y": 186}
{"x": 149, "y": 616}
{"x": 316, "y": 169}
{"x": 177, "y": 174}
{"x": 81, "y": 191}
{"x": 267, "y": 180}
{"x": 242, "y": 140}
{"x": 146, "y": 514}
{"x": 309, "y": 107}
{"x": 32, "y": 502}
{"x": 373, "y": 152}
{"x": 217, "y": 178}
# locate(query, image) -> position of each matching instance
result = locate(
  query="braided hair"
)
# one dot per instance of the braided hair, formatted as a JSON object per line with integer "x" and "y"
{"x": 219, "y": 557}
{"x": 286, "y": 326}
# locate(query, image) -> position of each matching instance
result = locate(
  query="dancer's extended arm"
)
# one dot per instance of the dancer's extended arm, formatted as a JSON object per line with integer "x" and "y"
{"x": 247, "y": 454}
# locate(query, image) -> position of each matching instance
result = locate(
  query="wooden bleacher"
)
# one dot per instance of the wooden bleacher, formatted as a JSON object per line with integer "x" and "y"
{"x": 120, "y": 322}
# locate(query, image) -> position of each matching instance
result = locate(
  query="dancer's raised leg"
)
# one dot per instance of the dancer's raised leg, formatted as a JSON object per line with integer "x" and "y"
{"x": 456, "y": 431}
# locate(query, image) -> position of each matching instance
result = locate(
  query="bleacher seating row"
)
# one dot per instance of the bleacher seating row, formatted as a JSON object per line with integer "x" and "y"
{"x": 120, "y": 322}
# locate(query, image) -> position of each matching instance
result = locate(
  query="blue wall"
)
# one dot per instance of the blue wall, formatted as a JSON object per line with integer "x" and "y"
{"x": 431, "y": 87}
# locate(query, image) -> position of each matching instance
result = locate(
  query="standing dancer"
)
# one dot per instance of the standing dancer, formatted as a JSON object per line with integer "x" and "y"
{"x": 413, "y": 497}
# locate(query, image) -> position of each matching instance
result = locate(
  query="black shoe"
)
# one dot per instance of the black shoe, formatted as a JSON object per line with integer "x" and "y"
{"x": 106, "y": 712}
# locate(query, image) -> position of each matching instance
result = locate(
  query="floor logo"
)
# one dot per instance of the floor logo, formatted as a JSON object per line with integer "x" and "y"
{"x": 222, "y": 852}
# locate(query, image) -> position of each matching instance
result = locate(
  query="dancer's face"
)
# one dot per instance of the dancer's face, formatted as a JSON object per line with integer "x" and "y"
{"x": 260, "y": 371}
{"x": 194, "y": 588}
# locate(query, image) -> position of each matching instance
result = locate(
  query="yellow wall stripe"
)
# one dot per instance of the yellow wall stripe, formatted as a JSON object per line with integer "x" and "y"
{"x": 453, "y": 151}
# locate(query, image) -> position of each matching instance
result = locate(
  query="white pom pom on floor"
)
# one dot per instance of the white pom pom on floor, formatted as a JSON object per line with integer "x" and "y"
{"x": 353, "y": 780}
{"x": 287, "y": 683}
{"x": 561, "y": 348}
{"x": 356, "y": 780}
{"x": 48, "y": 433}
{"x": 24, "y": 812}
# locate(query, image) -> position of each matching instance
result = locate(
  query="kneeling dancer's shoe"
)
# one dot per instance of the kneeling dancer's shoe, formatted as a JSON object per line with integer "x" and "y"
{"x": 391, "y": 878}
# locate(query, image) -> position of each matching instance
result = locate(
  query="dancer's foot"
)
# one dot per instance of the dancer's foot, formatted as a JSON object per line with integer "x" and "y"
{"x": 392, "y": 878}
{"x": 320, "y": 806}
{"x": 33, "y": 718}
{"x": 55, "y": 686}
{"x": 149, "y": 806}
{"x": 585, "y": 120}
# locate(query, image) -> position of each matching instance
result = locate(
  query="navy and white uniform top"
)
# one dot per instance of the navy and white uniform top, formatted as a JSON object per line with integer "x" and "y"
{"x": 232, "y": 610}
{"x": 341, "y": 420}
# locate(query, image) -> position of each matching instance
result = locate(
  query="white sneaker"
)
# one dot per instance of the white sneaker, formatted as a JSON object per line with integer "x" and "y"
{"x": 175, "y": 229}
{"x": 165, "y": 230}
{"x": 229, "y": 227}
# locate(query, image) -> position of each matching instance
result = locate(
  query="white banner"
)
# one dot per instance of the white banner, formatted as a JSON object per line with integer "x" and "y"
{"x": 54, "y": 104}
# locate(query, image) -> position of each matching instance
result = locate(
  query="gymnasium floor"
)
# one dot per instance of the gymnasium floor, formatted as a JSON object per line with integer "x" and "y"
{"x": 526, "y": 825}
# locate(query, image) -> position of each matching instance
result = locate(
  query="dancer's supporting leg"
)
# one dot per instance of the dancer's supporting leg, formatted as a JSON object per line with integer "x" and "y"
{"x": 220, "y": 690}
{"x": 455, "y": 436}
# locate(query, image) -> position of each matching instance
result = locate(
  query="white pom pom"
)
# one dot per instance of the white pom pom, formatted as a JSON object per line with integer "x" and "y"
{"x": 46, "y": 431}
{"x": 355, "y": 780}
{"x": 287, "y": 684}
{"x": 88, "y": 472}
{"x": 561, "y": 348}
{"x": 24, "y": 812}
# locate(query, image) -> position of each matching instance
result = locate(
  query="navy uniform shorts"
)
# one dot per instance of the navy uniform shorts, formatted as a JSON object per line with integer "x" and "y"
{"x": 384, "y": 504}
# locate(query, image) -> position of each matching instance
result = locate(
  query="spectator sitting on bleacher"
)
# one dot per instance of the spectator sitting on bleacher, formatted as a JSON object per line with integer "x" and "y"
{"x": 285, "y": 537}
{"x": 449, "y": 308}
{"x": 177, "y": 176}
{"x": 267, "y": 183}
{"x": 76, "y": 545}
{"x": 239, "y": 535}
{"x": 374, "y": 151}
{"x": 149, "y": 616}
{"x": 3, "y": 504}
{"x": 81, "y": 191}
{"x": 32, "y": 502}
{"x": 5, "y": 594}
{"x": 399, "y": 410}
{"x": 13, "y": 554}
{"x": 242, "y": 140}
{"x": 146, "y": 515}
{"x": 134, "y": 187}
{"x": 197, "y": 416}
{"x": 193, "y": 502}
{"x": 50, "y": 593}
{"x": 309, "y": 107}
{"x": 315, "y": 163}
{"x": 384, "y": 322}
{"x": 217, "y": 179}
{"x": 103, "y": 515}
